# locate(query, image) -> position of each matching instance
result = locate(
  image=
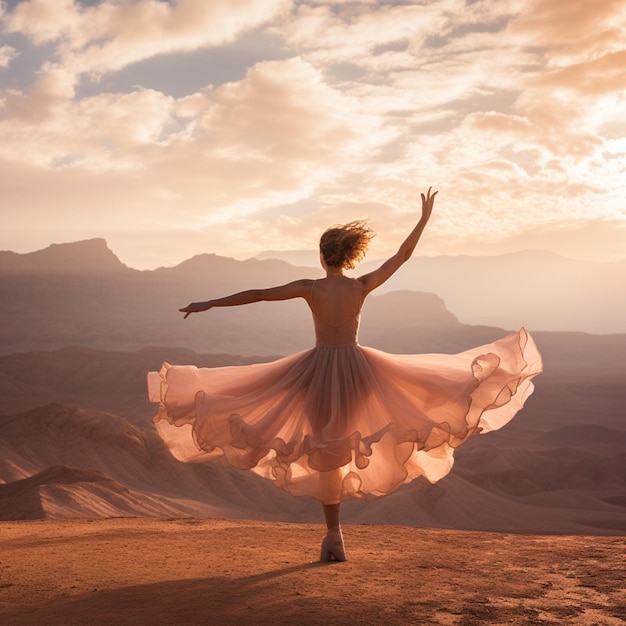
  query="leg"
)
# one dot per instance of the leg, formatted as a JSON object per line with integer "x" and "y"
{"x": 331, "y": 514}
{"x": 332, "y": 546}
{"x": 330, "y": 491}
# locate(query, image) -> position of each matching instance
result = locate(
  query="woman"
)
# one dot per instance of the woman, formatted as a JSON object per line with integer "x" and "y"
{"x": 341, "y": 420}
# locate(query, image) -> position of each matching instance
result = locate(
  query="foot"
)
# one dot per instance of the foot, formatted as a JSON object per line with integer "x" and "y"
{"x": 332, "y": 546}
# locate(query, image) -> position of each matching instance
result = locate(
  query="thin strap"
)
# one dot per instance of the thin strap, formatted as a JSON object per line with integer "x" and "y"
{"x": 312, "y": 296}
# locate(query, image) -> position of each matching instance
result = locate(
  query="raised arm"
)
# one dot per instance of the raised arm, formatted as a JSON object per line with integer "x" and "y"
{"x": 296, "y": 289}
{"x": 390, "y": 266}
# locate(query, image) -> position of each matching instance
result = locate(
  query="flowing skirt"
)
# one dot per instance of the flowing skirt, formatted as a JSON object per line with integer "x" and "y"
{"x": 341, "y": 422}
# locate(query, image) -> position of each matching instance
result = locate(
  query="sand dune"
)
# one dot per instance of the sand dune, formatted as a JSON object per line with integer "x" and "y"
{"x": 62, "y": 462}
{"x": 140, "y": 571}
{"x": 65, "y": 492}
{"x": 131, "y": 472}
{"x": 558, "y": 467}
{"x": 594, "y": 436}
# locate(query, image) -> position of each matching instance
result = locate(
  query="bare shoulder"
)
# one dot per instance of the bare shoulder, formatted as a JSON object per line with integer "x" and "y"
{"x": 303, "y": 283}
{"x": 377, "y": 277}
{"x": 305, "y": 286}
{"x": 296, "y": 289}
{"x": 368, "y": 281}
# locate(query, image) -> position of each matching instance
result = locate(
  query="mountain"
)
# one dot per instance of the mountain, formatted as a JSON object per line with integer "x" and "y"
{"x": 99, "y": 302}
{"x": 43, "y": 306}
{"x": 300, "y": 258}
{"x": 76, "y": 437}
{"x": 539, "y": 289}
{"x": 77, "y": 440}
{"x": 80, "y": 257}
{"x": 82, "y": 294}
{"x": 43, "y": 309}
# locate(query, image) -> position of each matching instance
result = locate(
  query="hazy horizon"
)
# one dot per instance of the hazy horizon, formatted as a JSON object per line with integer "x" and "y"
{"x": 309, "y": 257}
{"x": 536, "y": 289}
{"x": 177, "y": 128}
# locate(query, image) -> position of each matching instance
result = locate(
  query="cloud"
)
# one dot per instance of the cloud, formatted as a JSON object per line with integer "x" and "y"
{"x": 500, "y": 124}
{"x": 268, "y": 139}
{"x": 282, "y": 111}
{"x": 111, "y": 35}
{"x": 197, "y": 161}
{"x": 42, "y": 21}
{"x": 572, "y": 29}
{"x": 513, "y": 109}
{"x": 574, "y": 89}
{"x": 351, "y": 32}
{"x": 51, "y": 91}
{"x": 7, "y": 54}
{"x": 600, "y": 76}
{"x": 103, "y": 132}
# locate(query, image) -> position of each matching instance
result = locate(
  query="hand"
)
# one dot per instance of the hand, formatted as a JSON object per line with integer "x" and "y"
{"x": 427, "y": 204}
{"x": 194, "y": 307}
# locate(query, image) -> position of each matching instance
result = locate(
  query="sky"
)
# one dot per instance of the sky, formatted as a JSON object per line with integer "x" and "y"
{"x": 237, "y": 126}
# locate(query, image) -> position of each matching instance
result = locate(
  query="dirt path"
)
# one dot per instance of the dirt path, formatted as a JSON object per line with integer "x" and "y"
{"x": 147, "y": 571}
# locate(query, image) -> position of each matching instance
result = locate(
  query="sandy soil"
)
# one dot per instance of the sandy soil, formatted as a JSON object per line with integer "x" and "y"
{"x": 192, "y": 571}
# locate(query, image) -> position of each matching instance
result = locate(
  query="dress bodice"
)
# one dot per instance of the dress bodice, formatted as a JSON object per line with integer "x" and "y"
{"x": 336, "y": 306}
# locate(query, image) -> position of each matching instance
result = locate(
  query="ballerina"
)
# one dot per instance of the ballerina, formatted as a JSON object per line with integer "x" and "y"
{"x": 342, "y": 420}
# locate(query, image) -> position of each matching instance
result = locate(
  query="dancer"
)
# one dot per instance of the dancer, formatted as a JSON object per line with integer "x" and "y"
{"x": 341, "y": 420}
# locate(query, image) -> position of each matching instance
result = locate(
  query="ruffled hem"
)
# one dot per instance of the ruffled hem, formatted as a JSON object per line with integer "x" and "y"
{"x": 344, "y": 422}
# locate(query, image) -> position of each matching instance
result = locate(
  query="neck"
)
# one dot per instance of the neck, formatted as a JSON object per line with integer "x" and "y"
{"x": 332, "y": 272}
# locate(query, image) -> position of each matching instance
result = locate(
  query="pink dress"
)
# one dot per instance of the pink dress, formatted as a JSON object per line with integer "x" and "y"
{"x": 341, "y": 420}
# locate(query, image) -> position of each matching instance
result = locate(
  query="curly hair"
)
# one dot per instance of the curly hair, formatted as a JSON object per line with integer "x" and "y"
{"x": 344, "y": 246}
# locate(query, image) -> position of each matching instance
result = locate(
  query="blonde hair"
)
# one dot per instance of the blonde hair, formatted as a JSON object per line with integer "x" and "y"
{"x": 344, "y": 246}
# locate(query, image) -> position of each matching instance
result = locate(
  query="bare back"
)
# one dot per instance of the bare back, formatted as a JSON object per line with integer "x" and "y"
{"x": 336, "y": 306}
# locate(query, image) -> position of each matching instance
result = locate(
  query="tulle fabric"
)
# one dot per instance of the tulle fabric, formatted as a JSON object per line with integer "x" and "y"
{"x": 336, "y": 422}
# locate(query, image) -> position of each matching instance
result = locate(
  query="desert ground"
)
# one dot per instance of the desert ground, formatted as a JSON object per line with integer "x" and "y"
{"x": 208, "y": 571}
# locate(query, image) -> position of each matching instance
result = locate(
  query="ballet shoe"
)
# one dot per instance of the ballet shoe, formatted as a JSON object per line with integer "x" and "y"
{"x": 332, "y": 547}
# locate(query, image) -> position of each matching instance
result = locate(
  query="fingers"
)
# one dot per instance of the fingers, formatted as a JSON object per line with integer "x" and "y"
{"x": 430, "y": 197}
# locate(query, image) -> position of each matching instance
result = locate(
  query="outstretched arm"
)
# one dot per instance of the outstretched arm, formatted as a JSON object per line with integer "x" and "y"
{"x": 296, "y": 289}
{"x": 390, "y": 266}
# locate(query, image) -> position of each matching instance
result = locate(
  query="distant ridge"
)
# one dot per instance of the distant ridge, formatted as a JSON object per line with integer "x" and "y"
{"x": 539, "y": 289}
{"x": 80, "y": 293}
{"x": 301, "y": 258}
{"x": 79, "y": 257}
